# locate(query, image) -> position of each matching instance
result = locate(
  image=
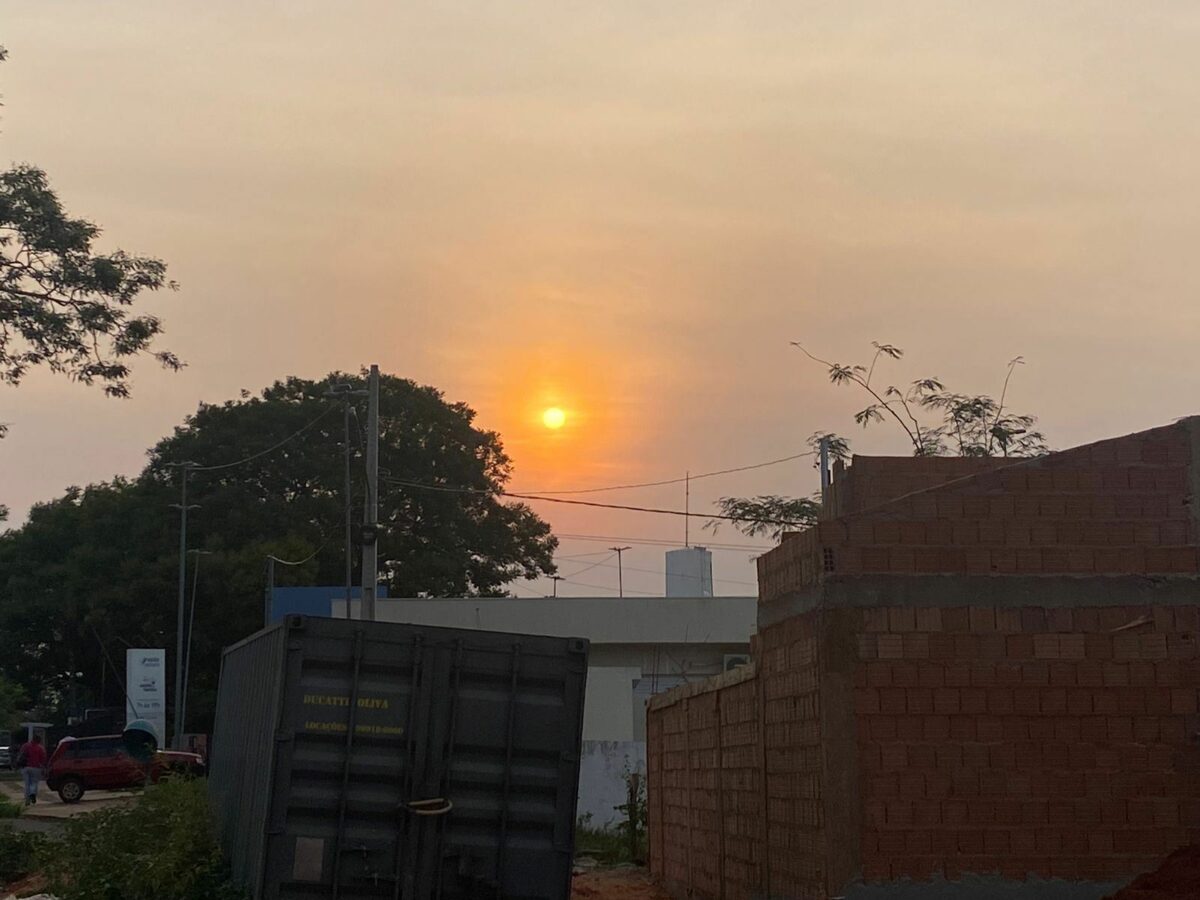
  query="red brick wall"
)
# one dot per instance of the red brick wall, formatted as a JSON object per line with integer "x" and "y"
{"x": 1027, "y": 740}
{"x": 734, "y": 768}
{"x": 1116, "y": 507}
{"x": 1053, "y": 741}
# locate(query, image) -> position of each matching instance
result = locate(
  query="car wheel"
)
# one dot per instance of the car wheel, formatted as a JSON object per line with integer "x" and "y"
{"x": 71, "y": 790}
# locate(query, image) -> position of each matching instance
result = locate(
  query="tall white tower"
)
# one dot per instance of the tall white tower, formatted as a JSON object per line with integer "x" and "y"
{"x": 689, "y": 572}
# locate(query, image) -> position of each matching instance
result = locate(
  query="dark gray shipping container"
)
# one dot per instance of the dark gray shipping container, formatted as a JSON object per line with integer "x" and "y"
{"x": 368, "y": 759}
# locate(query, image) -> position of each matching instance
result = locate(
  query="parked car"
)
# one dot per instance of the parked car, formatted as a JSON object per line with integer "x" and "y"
{"x": 6, "y": 759}
{"x": 103, "y": 764}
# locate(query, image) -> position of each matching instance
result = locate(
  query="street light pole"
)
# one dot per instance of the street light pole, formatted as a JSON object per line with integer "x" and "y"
{"x": 620, "y": 573}
{"x": 556, "y": 579}
{"x": 182, "y": 506}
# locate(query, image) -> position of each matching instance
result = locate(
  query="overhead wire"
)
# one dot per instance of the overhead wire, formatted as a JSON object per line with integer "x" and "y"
{"x": 684, "y": 479}
{"x": 590, "y": 503}
{"x": 263, "y": 453}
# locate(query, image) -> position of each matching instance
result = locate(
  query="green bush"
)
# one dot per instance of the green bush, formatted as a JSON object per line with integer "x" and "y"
{"x": 9, "y": 809}
{"x": 19, "y": 854}
{"x": 163, "y": 847}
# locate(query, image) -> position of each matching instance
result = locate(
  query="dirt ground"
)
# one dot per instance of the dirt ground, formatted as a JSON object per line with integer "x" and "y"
{"x": 615, "y": 884}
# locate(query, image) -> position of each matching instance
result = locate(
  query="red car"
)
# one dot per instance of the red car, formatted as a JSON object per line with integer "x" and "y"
{"x": 103, "y": 764}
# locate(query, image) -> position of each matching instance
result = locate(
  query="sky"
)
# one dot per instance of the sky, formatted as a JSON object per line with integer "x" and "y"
{"x": 628, "y": 210}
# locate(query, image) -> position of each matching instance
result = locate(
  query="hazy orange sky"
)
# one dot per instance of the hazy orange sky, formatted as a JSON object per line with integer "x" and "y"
{"x": 626, "y": 209}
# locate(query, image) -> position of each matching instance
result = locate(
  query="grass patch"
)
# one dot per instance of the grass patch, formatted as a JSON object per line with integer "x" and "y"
{"x": 609, "y": 846}
{"x": 9, "y": 809}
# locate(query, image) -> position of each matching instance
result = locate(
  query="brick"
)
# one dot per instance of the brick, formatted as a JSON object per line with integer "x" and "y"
{"x": 920, "y": 700}
{"x": 933, "y": 676}
{"x": 891, "y": 646}
{"x": 905, "y": 674}
{"x": 1019, "y": 646}
{"x": 916, "y": 646}
{"x": 909, "y": 728}
{"x": 879, "y": 674}
{"x": 983, "y": 619}
{"x": 955, "y": 619}
{"x": 973, "y": 701}
{"x": 941, "y": 646}
{"x": 1033, "y": 620}
{"x": 902, "y": 618}
{"x": 1183, "y": 700}
{"x": 928, "y": 619}
{"x": 1000, "y": 701}
{"x": 1062, "y": 674}
{"x": 937, "y": 728}
{"x": 1053, "y": 701}
{"x": 946, "y": 700}
{"x": 958, "y": 675}
{"x": 1098, "y": 646}
{"x": 1035, "y": 674}
{"x": 1045, "y": 646}
{"x": 892, "y": 700}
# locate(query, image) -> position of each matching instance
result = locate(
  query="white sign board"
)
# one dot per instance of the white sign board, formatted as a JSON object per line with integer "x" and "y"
{"x": 146, "y": 684}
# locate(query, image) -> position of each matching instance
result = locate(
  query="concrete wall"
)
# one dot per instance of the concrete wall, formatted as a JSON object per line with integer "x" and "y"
{"x": 603, "y": 769}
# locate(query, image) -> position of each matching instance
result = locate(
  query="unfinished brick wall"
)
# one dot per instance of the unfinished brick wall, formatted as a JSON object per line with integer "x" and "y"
{"x": 735, "y": 773}
{"x": 1114, "y": 507}
{"x": 1050, "y": 741}
{"x": 1055, "y": 741}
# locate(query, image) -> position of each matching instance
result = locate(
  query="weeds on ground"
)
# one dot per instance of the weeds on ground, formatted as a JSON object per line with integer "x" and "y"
{"x": 163, "y": 847}
{"x": 9, "y": 809}
{"x": 20, "y": 854}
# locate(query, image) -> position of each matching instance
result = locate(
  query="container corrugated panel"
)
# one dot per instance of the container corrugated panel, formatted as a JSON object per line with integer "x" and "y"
{"x": 376, "y": 760}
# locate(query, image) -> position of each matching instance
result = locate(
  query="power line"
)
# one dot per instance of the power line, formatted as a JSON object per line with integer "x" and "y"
{"x": 593, "y": 565}
{"x": 605, "y": 563}
{"x": 646, "y": 484}
{"x": 591, "y": 503}
{"x": 270, "y": 449}
{"x": 658, "y": 542}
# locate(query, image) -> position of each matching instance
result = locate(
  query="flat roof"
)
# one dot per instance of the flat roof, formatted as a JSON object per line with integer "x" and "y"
{"x": 602, "y": 620}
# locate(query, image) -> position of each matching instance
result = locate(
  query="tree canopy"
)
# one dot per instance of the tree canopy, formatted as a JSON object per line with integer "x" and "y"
{"x": 97, "y": 566}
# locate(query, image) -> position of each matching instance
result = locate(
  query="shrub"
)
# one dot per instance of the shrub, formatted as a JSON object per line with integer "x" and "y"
{"x": 163, "y": 847}
{"x": 9, "y": 809}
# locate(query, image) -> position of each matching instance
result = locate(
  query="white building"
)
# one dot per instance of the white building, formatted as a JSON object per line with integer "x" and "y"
{"x": 639, "y": 647}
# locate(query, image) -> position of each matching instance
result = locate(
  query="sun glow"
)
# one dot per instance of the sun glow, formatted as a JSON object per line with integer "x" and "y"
{"x": 554, "y": 418}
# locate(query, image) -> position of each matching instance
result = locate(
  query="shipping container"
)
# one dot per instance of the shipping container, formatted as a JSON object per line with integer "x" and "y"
{"x": 367, "y": 759}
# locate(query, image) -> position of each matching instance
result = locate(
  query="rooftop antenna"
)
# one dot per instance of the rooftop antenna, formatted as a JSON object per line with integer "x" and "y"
{"x": 687, "y": 497}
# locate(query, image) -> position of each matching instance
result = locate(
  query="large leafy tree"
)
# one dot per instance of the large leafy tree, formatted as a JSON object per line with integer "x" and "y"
{"x": 96, "y": 568}
{"x": 63, "y": 303}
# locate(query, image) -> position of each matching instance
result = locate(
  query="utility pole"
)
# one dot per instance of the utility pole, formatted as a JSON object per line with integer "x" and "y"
{"x": 344, "y": 392}
{"x": 370, "y": 532}
{"x": 182, "y": 506}
{"x": 556, "y": 579}
{"x": 620, "y": 573}
{"x": 187, "y": 663}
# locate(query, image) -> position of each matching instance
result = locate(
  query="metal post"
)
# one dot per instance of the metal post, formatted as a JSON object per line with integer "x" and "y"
{"x": 370, "y": 546}
{"x": 620, "y": 572}
{"x": 184, "y": 468}
{"x": 555, "y": 579}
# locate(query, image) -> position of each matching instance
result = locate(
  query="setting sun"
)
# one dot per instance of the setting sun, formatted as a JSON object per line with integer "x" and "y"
{"x": 554, "y": 417}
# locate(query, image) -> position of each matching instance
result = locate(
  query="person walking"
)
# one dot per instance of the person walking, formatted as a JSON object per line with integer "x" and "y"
{"x": 31, "y": 760}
